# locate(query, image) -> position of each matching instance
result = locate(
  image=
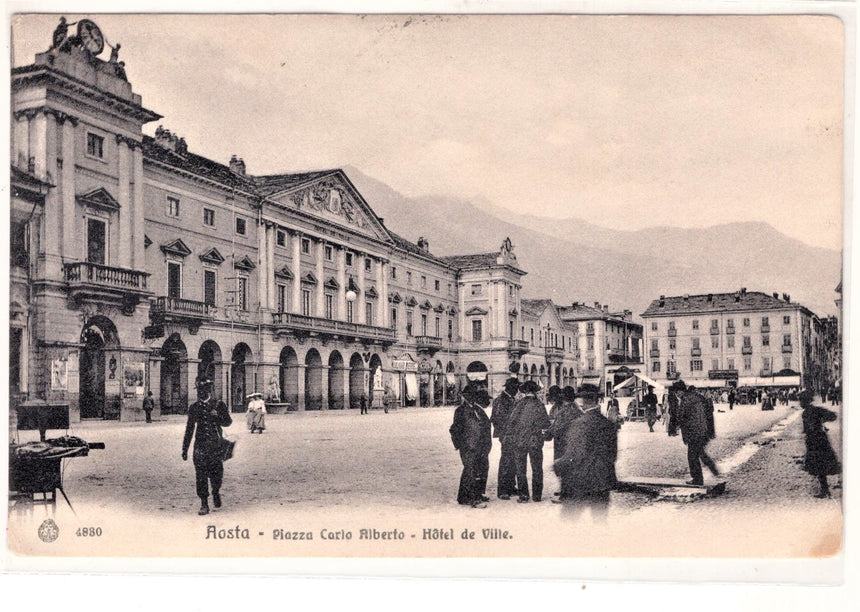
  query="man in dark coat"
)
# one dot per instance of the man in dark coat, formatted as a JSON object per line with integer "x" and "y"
{"x": 526, "y": 430}
{"x": 732, "y": 396}
{"x": 206, "y": 416}
{"x": 694, "y": 416}
{"x": 148, "y": 406}
{"x": 470, "y": 433}
{"x": 820, "y": 459}
{"x": 587, "y": 467}
{"x": 650, "y": 401}
{"x": 503, "y": 406}
{"x": 562, "y": 416}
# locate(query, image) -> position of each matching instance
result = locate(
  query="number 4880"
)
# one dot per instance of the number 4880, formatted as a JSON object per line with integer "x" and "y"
{"x": 88, "y": 532}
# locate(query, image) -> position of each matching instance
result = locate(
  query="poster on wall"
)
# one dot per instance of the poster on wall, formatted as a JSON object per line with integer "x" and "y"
{"x": 59, "y": 375}
{"x": 133, "y": 380}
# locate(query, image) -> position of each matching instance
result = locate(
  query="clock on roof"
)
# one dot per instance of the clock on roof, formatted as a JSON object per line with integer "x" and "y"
{"x": 90, "y": 36}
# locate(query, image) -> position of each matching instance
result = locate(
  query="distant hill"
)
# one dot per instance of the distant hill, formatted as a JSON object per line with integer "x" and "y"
{"x": 573, "y": 260}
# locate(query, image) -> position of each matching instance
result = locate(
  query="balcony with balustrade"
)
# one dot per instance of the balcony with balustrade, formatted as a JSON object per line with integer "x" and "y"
{"x": 428, "y": 344}
{"x": 654, "y": 353}
{"x": 787, "y": 348}
{"x": 672, "y": 332}
{"x": 696, "y": 352}
{"x": 303, "y": 326}
{"x": 518, "y": 348}
{"x": 746, "y": 350}
{"x": 86, "y": 281}
{"x": 164, "y": 310}
{"x": 554, "y": 353}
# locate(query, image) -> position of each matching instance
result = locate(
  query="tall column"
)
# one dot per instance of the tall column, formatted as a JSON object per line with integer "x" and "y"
{"x": 383, "y": 299}
{"x": 138, "y": 223}
{"x": 263, "y": 261}
{"x": 125, "y": 212}
{"x": 320, "y": 280}
{"x": 21, "y": 153}
{"x": 362, "y": 294}
{"x": 380, "y": 289}
{"x": 297, "y": 281}
{"x": 341, "y": 281}
{"x": 71, "y": 241}
{"x": 325, "y": 372}
{"x": 43, "y": 148}
{"x": 300, "y": 392}
{"x": 270, "y": 266}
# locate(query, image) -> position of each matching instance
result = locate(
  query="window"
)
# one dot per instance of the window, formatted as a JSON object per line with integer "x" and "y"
{"x": 96, "y": 241}
{"x": 240, "y": 226}
{"x": 764, "y": 322}
{"x": 696, "y": 365}
{"x": 348, "y": 258}
{"x": 715, "y": 324}
{"x": 730, "y": 323}
{"x": 408, "y": 277}
{"x": 242, "y": 293}
{"x": 765, "y": 340}
{"x": 765, "y": 364}
{"x": 173, "y": 207}
{"x": 477, "y": 332}
{"x": 393, "y": 271}
{"x": 436, "y": 285}
{"x": 174, "y": 280}
{"x": 306, "y": 302}
{"x": 590, "y": 363}
{"x": 695, "y": 324}
{"x": 423, "y": 281}
{"x": 671, "y": 344}
{"x": 747, "y": 341}
{"x": 282, "y": 298}
{"x": 746, "y": 322}
{"x": 208, "y": 217}
{"x": 786, "y": 363}
{"x": 715, "y": 342}
{"x": 590, "y": 343}
{"x": 281, "y": 238}
{"x": 747, "y": 364}
{"x": 95, "y": 145}
{"x": 329, "y": 252}
{"x": 306, "y": 246}
{"x": 329, "y": 306}
{"x": 450, "y": 329}
{"x": 730, "y": 363}
{"x": 510, "y": 291}
{"x": 368, "y": 313}
{"x": 409, "y": 318}
{"x": 715, "y": 364}
{"x": 671, "y": 325}
{"x": 695, "y": 343}
{"x": 438, "y": 327}
{"x": 589, "y": 328}
{"x": 786, "y": 320}
{"x": 730, "y": 341}
{"x": 532, "y": 336}
{"x": 653, "y": 325}
{"x": 368, "y": 264}
{"x": 476, "y": 290}
{"x": 670, "y": 367}
{"x": 209, "y": 287}
{"x": 393, "y": 318}
{"x": 450, "y": 289}
{"x": 655, "y": 366}
{"x": 786, "y": 339}
{"x": 423, "y": 324}
{"x": 350, "y": 312}
{"x": 654, "y": 344}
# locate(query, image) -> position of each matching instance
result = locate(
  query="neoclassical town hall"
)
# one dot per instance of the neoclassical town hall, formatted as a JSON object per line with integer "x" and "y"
{"x": 139, "y": 266}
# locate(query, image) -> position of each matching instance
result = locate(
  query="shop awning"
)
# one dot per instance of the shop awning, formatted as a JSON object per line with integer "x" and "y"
{"x": 638, "y": 376}
{"x": 590, "y": 380}
{"x": 769, "y": 381}
{"x": 411, "y": 385}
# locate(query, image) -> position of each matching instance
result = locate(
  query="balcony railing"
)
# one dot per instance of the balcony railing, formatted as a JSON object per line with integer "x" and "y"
{"x": 696, "y": 352}
{"x": 673, "y": 375}
{"x": 554, "y": 353}
{"x": 84, "y": 272}
{"x": 288, "y": 321}
{"x": 589, "y": 331}
{"x": 730, "y": 330}
{"x": 765, "y": 329}
{"x": 591, "y": 373}
{"x": 181, "y": 307}
{"x": 428, "y": 343}
{"x": 654, "y": 353}
{"x": 715, "y": 331}
{"x": 746, "y": 350}
{"x": 518, "y": 346}
{"x": 672, "y": 332}
{"x": 786, "y": 348}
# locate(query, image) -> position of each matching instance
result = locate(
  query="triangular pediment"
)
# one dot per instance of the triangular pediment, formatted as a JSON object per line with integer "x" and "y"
{"x": 371, "y": 293}
{"x": 452, "y": 311}
{"x": 514, "y": 312}
{"x": 395, "y": 298}
{"x": 474, "y": 310}
{"x": 332, "y": 284}
{"x": 99, "y": 198}
{"x": 284, "y": 272}
{"x": 212, "y": 256}
{"x": 351, "y": 285}
{"x": 440, "y": 307}
{"x": 426, "y": 305}
{"x": 147, "y": 241}
{"x": 411, "y": 301}
{"x": 334, "y": 198}
{"x": 244, "y": 264}
{"x": 309, "y": 278}
{"x": 176, "y": 247}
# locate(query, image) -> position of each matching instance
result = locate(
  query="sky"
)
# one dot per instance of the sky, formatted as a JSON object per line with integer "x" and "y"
{"x": 623, "y": 121}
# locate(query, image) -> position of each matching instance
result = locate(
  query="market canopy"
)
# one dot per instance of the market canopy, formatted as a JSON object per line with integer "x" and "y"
{"x": 643, "y": 378}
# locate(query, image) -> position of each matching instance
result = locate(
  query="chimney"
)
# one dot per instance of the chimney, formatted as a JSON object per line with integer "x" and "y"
{"x": 775, "y": 295}
{"x": 237, "y": 165}
{"x": 743, "y": 290}
{"x": 786, "y": 297}
{"x": 597, "y": 305}
{"x": 710, "y": 297}
{"x": 606, "y": 308}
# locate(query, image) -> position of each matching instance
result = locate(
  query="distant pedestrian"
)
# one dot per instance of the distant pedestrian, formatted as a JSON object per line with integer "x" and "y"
{"x": 694, "y": 416}
{"x": 503, "y": 406}
{"x": 148, "y": 406}
{"x": 767, "y": 402}
{"x": 528, "y": 425}
{"x": 470, "y": 434}
{"x": 256, "y": 414}
{"x": 613, "y": 411}
{"x": 820, "y": 460}
{"x": 363, "y": 403}
{"x": 206, "y": 417}
{"x": 732, "y": 397}
{"x": 587, "y": 467}
{"x": 650, "y": 401}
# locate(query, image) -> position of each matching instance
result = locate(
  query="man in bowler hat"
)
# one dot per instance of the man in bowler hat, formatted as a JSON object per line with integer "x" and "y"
{"x": 694, "y": 416}
{"x": 503, "y": 406}
{"x": 206, "y": 417}
{"x": 525, "y": 432}
{"x": 470, "y": 433}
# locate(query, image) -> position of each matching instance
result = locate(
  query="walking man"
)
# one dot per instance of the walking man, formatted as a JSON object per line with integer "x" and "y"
{"x": 363, "y": 403}
{"x": 650, "y": 401}
{"x": 731, "y": 399}
{"x": 695, "y": 418}
{"x": 470, "y": 433}
{"x": 528, "y": 425}
{"x": 206, "y": 417}
{"x": 148, "y": 406}
{"x": 503, "y": 406}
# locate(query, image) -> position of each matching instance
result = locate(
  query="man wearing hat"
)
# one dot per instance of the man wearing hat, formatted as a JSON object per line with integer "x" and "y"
{"x": 503, "y": 406}
{"x": 470, "y": 433}
{"x": 694, "y": 416}
{"x": 525, "y": 432}
{"x": 206, "y": 417}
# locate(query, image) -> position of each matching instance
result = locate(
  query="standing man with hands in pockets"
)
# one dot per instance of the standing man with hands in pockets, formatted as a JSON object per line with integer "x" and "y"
{"x": 206, "y": 417}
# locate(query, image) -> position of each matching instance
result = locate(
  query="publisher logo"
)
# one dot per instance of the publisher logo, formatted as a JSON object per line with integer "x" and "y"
{"x": 48, "y": 531}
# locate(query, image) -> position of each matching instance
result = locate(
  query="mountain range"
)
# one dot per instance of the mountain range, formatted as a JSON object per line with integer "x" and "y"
{"x": 571, "y": 259}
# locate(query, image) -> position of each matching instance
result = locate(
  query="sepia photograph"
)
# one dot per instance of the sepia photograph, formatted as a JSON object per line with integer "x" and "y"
{"x": 427, "y": 286}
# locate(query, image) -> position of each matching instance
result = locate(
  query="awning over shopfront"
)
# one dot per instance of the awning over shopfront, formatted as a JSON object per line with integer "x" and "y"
{"x": 769, "y": 381}
{"x": 643, "y": 378}
{"x": 709, "y": 384}
{"x": 590, "y": 380}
